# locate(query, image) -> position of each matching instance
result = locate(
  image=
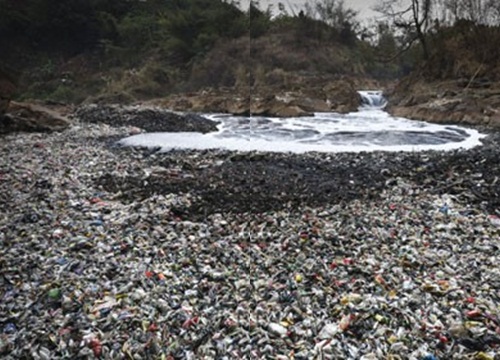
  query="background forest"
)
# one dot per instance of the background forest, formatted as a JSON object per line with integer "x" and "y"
{"x": 71, "y": 51}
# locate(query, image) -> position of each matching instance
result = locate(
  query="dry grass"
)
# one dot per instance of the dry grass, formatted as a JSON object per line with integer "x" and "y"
{"x": 465, "y": 51}
{"x": 283, "y": 58}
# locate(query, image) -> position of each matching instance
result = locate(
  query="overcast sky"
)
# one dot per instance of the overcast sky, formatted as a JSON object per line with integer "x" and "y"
{"x": 363, "y": 6}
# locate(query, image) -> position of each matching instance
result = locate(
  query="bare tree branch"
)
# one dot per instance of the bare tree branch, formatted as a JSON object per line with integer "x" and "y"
{"x": 414, "y": 18}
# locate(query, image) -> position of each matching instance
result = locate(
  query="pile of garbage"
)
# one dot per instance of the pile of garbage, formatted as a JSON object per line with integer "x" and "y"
{"x": 407, "y": 269}
{"x": 150, "y": 119}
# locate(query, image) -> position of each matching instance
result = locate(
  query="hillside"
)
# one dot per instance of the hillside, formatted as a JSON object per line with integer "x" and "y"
{"x": 459, "y": 83}
{"x": 206, "y": 55}
{"x": 154, "y": 49}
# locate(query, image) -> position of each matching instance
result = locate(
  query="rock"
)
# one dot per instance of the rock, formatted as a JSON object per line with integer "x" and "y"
{"x": 277, "y": 107}
{"x": 238, "y": 106}
{"x": 495, "y": 121}
{"x": 446, "y": 102}
{"x": 467, "y": 115}
{"x": 31, "y": 118}
{"x": 313, "y": 105}
{"x": 290, "y": 111}
{"x": 336, "y": 95}
{"x": 342, "y": 95}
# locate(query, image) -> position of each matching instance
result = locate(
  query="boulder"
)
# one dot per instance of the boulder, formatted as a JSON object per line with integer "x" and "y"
{"x": 277, "y": 107}
{"x": 313, "y": 104}
{"x": 342, "y": 95}
{"x": 31, "y": 118}
{"x": 238, "y": 106}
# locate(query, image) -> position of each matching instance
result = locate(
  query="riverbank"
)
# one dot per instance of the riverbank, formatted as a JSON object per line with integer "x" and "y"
{"x": 466, "y": 102}
{"x": 117, "y": 252}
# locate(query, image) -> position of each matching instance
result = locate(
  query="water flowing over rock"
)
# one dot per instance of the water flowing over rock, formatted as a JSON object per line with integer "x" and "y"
{"x": 373, "y": 99}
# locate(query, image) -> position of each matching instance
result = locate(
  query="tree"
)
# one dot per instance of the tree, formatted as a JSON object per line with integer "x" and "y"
{"x": 332, "y": 12}
{"x": 194, "y": 26}
{"x": 260, "y": 20}
{"x": 330, "y": 19}
{"x": 477, "y": 11}
{"x": 386, "y": 41}
{"x": 411, "y": 16}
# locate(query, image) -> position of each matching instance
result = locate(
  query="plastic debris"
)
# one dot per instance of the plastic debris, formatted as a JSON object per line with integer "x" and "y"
{"x": 54, "y": 293}
{"x": 277, "y": 329}
{"x": 103, "y": 259}
{"x": 429, "y": 357}
{"x": 483, "y": 356}
{"x": 9, "y": 328}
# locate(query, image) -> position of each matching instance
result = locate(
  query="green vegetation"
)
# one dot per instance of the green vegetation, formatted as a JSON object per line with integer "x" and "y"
{"x": 145, "y": 48}
{"x": 69, "y": 50}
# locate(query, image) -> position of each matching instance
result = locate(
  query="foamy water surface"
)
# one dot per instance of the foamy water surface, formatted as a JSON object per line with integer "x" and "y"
{"x": 366, "y": 130}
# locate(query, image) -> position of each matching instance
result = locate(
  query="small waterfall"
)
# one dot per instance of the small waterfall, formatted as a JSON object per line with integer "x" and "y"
{"x": 372, "y": 99}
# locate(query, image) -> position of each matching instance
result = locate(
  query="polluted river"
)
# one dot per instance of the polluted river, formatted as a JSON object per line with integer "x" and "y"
{"x": 369, "y": 129}
{"x": 357, "y": 236}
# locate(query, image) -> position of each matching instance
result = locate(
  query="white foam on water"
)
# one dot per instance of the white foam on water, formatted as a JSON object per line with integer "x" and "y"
{"x": 365, "y": 130}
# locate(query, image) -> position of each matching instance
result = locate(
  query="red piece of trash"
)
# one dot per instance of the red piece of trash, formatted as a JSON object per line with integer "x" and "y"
{"x": 229, "y": 323}
{"x": 473, "y": 313}
{"x": 443, "y": 339}
{"x": 190, "y": 322}
{"x": 348, "y": 261}
{"x": 339, "y": 283}
{"x": 153, "y": 327}
{"x": 64, "y": 331}
{"x": 96, "y": 347}
{"x": 379, "y": 279}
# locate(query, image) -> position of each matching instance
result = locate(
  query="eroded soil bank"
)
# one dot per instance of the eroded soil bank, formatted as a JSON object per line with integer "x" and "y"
{"x": 465, "y": 102}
